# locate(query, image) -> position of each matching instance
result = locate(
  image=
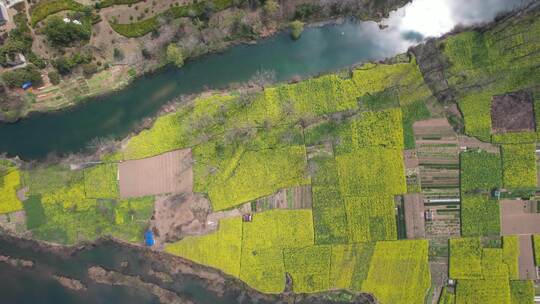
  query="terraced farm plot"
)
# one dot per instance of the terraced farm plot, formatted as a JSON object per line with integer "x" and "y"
{"x": 170, "y": 172}
{"x": 438, "y": 158}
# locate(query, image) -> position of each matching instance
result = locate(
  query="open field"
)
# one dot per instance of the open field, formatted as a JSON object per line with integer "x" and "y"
{"x": 166, "y": 173}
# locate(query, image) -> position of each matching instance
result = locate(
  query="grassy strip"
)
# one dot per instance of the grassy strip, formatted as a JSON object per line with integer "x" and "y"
{"x": 48, "y": 7}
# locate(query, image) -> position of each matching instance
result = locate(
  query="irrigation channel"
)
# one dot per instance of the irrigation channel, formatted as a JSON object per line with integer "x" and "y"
{"x": 321, "y": 49}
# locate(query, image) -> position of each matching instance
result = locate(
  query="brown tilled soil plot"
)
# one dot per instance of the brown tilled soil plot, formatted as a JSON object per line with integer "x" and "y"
{"x": 519, "y": 217}
{"x": 527, "y": 271}
{"x": 512, "y": 112}
{"x": 414, "y": 216}
{"x": 291, "y": 198}
{"x": 170, "y": 172}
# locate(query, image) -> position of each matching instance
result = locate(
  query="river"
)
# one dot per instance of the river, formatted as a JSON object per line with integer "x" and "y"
{"x": 320, "y": 49}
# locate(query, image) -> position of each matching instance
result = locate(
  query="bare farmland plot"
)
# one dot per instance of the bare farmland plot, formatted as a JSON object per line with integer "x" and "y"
{"x": 414, "y": 216}
{"x": 519, "y": 217}
{"x": 167, "y": 173}
{"x": 527, "y": 270}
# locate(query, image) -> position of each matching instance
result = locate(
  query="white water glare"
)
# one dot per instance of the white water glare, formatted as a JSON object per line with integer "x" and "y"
{"x": 433, "y": 18}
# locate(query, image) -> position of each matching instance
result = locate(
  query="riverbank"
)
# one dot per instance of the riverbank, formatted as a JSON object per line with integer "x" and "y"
{"x": 111, "y": 262}
{"x": 113, "y": 74}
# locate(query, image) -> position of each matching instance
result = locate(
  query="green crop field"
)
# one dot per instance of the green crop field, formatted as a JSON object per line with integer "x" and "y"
{"x": 399, "y": 272}
{"x": 492, "y": 62}
{"x": 263, "y": 269}
{"x": 511, "y": 255}
{"x": 465, "y": 258}
{"x": 10, "y": 180}
{"x": 350, "y": 265}
{"x": 220, "y": 249}
{"x": 371, "y": 171}
{"x": 101, "y": 181}
{"x": 522, "y": 292}
{"x": 371, "y": 218}
{"x": 258, "y": 173}
{"x": 519, "y": 166}
{"x": 309, "y": 267}
{"x": 486, "y": 275}
{"x": 480, "y": 170}
{"x": 479, "y": 215}
{"x": 483, "y": 291}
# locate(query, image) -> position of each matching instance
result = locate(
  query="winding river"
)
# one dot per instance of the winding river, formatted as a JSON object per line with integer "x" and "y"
{"x": 319, "y": 50}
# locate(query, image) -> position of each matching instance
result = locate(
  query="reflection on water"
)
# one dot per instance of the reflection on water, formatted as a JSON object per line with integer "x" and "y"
{"x": 319, "y": 50}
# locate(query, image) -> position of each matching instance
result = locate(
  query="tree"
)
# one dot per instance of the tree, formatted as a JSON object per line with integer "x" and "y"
{"x": 118, "y": 54}
{"x": 297, "y": 27}
{"x": 270, "y": 7}
{"x": 62, "y": 34}
{"x": 54, "y": 77}
{"x": 16, "y": 78}
{"x": 174, "y": 55}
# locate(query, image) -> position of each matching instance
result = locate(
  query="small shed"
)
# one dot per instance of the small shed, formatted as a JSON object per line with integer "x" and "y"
{"x": 149, "y": 238}
{"x": 247, "y": 217}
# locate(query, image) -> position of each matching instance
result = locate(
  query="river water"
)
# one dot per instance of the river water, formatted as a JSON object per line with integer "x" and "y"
{"x": 319, "y": 50}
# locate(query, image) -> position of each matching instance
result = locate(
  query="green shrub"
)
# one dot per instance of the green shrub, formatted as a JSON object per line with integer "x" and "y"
{"x": 297, "y": 27}
{"x": 54, "y": 77}
{"x": 174, "y": 55}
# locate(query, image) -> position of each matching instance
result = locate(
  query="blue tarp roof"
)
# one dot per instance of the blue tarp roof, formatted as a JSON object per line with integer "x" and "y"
{"x": 26, "y": 85}
{"x": 149, "y": 238}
